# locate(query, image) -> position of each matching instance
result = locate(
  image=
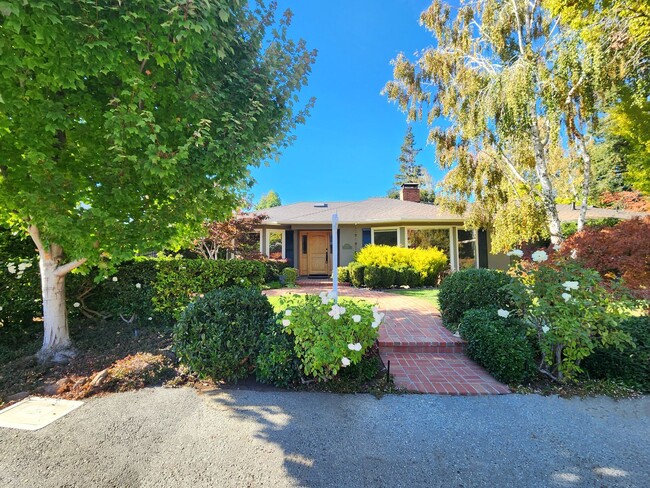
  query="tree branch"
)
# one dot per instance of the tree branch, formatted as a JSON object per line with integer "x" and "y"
{"x": 66, "y": 268}
{"x": 36, "y": 237}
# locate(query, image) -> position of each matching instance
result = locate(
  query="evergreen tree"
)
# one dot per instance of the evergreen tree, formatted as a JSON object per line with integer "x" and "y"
{"x": 412, "y": 172}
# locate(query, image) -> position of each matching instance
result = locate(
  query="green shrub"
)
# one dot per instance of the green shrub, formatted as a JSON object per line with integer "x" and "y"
{"x": 472, "y": 288}
{"x": 379, "y": 277}
{"x": 273, "y": 268}
{"x": 632, "y": 364}
{"x": 290, "y": 276}
{"x": 218, "y": 335}
{"x": 408, "y": 277}
{"x": 180, "y": 280}
{"x": 329, "y": 336}
{"x": 344, "y": 274}
{"x": 277, "y": 363}
{"x": 428, "y": 263}
{"x": 356, "y": 271}
{"x": 498, "y": 344}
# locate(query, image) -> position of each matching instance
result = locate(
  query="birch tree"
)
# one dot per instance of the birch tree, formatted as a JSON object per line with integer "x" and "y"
{"x": 124, "y": 125}
{"x": 511, "y": 100}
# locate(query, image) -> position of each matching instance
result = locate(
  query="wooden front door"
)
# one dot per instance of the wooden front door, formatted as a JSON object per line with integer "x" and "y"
{"x": 318, "y": 253}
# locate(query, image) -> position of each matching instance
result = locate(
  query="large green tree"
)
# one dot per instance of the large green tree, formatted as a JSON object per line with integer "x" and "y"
{"x": 410, "y": 171}
{"x": 512, "y": 98}
{"x": 124, "y": 125}
{"x": 270, "y": 199}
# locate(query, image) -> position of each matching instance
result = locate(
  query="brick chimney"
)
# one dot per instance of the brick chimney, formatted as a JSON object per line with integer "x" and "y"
{"x": 410, "y": 192}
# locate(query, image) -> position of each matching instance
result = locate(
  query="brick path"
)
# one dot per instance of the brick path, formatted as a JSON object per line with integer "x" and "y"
{"x": 424, "y": 356}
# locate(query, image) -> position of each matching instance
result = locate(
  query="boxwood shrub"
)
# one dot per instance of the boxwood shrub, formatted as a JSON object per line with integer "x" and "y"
{"x": 472, "y": 288}
{"x": 218, "y": 335}
{"x": 356, "y": 271}
{"x": 379, "y": 277}
{"x": 277, "y": 363}
{"x": 631, "y": 365}
{"x": 499, "y": 345}
{"x": 344, "y": 274}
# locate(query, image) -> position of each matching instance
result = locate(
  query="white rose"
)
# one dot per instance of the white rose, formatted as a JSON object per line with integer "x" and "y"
{"x": 503, "y": 313}
{"x": 539, "y": 256}
{"x": 356, "y": 318}
{"x": 345, "y": 362}
{"x": 286, "y": 322}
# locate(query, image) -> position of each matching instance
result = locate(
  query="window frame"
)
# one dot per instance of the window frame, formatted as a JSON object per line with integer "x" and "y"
{"x": 384, "y": 229}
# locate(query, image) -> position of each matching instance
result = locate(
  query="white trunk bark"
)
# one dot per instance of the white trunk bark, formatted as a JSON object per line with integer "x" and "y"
{"x": 56, "y": 339}
{"x": 586, "y": 181}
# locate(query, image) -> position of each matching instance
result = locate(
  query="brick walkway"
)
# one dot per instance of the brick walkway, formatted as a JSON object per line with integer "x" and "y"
{"x": 424, "y": 356}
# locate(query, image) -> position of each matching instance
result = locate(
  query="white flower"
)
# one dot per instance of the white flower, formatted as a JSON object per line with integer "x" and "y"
{"x": 138, "y": 286}
{"x": 76, "y": 304}
{"x": 566, "y": 296}
{"x": 545, "y": 328}
{"x": 287, "y": 312}
{"x": 375, "y": 324}
{"x": 0, "y": 309}
{"x": 375, "y": 309}
{"x": 345, "y": 362}
{"x": 378, "y": 316}
{"x": 539, "y": 256}
{"x": 149, "y": 318}
{"x": 570, "y": 285}
{"x": 354, "y": 347}
{"x": 574, "y": 254}
{"x": 356, "y": 318}
{"x": 322, "y": 294}
{"x": 515, "y": 252}
{"x": 324, "y": 300}
{"x": 23, "y": 266}
{"x": 11, "y": 268}
{"x": 503, "y": 313}
{"x": 286, "y": 322}
{"x": 114, "y": 278}
{"x": 336, "y": 312}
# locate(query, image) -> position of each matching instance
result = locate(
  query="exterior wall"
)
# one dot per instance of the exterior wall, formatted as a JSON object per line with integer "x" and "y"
{"x": 496, "y": 261}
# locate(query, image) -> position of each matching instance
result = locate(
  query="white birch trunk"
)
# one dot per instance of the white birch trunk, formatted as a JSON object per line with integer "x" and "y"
{"x": 586, "y": 181}
{"x": 57, "y": 346}
{"x": 56, "y": 339}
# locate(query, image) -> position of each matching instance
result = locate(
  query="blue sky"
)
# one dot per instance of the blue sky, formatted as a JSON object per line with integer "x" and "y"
{"x": 348, "y": 148}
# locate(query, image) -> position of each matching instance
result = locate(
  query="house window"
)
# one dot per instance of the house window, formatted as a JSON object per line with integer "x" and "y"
{"x": 387, "y": 237}
{"x": 428, "y": 238}
{"x": 466, "y": 249}
{"x": 275, "y": 244}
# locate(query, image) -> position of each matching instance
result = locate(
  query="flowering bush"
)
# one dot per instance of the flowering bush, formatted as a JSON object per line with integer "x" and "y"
{"x": 568, "y": 310}
{"x": 329, "y": 336}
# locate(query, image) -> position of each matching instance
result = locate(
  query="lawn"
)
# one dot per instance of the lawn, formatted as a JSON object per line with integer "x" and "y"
{"x": 428, "y": 294}
{"x": 275, "y": 302}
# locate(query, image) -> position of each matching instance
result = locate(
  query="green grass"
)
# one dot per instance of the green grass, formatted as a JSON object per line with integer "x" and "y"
{"x": 428, "y": 294}
{"x": 275, "y": 302}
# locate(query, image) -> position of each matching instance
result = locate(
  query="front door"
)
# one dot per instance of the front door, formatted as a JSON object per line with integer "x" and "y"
{"x": 318, "y": 256}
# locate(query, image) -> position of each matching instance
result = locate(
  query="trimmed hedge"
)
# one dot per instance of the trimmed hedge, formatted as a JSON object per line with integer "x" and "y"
{"x": 218, "y": 335}
{"x": 499, "y": 344}
{"x": 344, "y": 274}
{"x": 472, "y": 288}
{"x": 356, "y": 271}
{"x": 179, "y": 280}
{"x": 632, "y": 365}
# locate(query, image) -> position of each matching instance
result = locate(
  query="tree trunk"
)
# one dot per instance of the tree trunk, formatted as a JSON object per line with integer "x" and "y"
{"x": 548, "y": 195}
{"x": 586, "y": 181}
{"x": 57, "y": 345}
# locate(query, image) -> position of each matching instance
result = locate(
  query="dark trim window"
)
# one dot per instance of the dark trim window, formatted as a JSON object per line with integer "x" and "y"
{"x": 386, "y": 237}
{"x": 466, "y": 249}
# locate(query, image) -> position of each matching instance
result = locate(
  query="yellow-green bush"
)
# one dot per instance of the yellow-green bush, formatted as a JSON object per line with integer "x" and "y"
{"x": 428, "y": 263}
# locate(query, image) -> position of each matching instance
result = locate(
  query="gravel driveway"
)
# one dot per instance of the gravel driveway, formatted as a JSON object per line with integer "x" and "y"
{"x": 237, "y": 438}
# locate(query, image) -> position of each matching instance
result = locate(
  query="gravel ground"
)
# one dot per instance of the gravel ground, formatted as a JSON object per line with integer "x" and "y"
{"x": 230, "y": 438}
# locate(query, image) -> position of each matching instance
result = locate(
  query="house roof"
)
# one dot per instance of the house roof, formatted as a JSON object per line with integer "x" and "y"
{"x": 393, "y": 211}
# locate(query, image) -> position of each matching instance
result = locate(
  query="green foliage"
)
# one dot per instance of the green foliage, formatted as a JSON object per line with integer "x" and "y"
{"x": 379, "y": 277}
{"x": 328, "y": 336}
{"x": 290, "y": 276}
{"x": 632, "y": 364}
{"x": 273, "y": 268}
{"x": 344, "y": 274}
{"x": 271, "y": 199}
{"x": 356, "y": 271}
{"x": 570, "y": 228}
{"x": 277, "y": 363}
{"x": 570, "y": 312}
{"x": 428, "y": 263}
{"x": 469, "y": 289}
{"x": 499, "y": 344}
{"x": 218, "y": 335}
{"x": 412, "y": 172}
{"x": 180, "y": 280}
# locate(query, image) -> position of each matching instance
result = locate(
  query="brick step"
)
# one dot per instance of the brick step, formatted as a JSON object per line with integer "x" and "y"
{"x": 325, "y": 285}
{"x": 444, "y": 374}
{"x": 423, "y": 347}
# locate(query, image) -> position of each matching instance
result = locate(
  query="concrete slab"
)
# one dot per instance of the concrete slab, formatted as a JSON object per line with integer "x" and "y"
{"x": 34, "y": 413}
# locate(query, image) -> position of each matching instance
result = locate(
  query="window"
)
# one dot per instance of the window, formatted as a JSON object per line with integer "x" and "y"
{"x": 304, "y": 243}
{"x": 428, "y": 238}
{"x": 387, "y": 237}
{"x": 275, "y": 244}
{"x": 466, "y": 249}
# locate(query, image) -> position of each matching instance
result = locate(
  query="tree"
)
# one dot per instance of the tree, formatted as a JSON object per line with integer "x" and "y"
{"x": 124, "y": 125}
{"x": 519, "y": 95}
{"x": 271, "y": 199}
{"x": 234, "y": 237}
{"x": 412, "y": 172}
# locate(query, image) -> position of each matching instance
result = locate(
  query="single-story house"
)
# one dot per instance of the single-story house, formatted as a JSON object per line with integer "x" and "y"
{"x": 302, "y": 232}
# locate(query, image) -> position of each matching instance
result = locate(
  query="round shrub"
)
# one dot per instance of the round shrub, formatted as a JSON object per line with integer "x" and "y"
{"x": 344, "y": 274}
{"x": 277, "y": 363}
{"x": 218, "y": 335}
{"x": 356, "y": 271}
{"x": 631, "y": 365}
{"x": 379, "y": 277}
{"x": 499, "y": 345}
{"x": 428, "y": 263}
{"x": 289, "y": 275}
{"x": 472, "y": 288}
